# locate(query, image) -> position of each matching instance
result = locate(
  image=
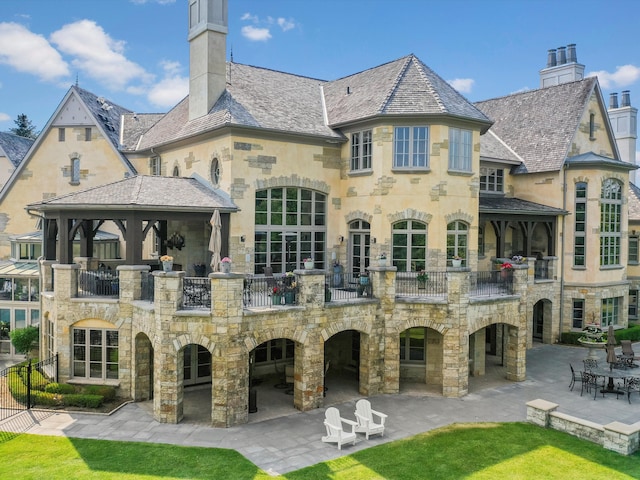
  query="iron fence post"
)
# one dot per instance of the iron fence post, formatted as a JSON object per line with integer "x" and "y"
{"x": 29, "y": 385}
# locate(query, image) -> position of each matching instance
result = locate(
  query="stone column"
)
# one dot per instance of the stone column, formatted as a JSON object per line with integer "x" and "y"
{"x": 455, "y": 349}
{"x": 381, "y": 377}
{"x": 516, "y": 345}
{"x": 310, "y": 288}
{"x": 477, "y": 346}
{"x": 65, "y": 288}
{"x": 46, "y": 274}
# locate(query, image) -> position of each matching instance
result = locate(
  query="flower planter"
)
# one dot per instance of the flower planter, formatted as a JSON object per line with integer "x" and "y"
{"x": 289, "y": 298}
{"x": 364, "y": 280}
{"x": 276, "y": 299}
{"x": 167, "y": 266}
{"x": 382, "y": 262}
{"x": 456, "y": 263}
{"x": 308, "y": 265}
{"x": 225, "y": 267}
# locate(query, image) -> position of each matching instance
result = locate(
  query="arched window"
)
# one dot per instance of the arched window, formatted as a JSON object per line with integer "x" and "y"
{"x": 215, "y": 172}
{"x": 290, "y": 225}
{"x": 176, "y": 171}
{"x": 457, "y": 241}
{"x": 610, "y": 222}
{"x": 409, "y": 245}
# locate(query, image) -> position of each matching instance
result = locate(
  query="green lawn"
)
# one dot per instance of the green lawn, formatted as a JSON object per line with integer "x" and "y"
{"x": 469, "y": 451}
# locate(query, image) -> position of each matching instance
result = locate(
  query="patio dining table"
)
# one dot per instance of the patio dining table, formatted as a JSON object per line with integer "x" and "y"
{"x": 612, "y": 373}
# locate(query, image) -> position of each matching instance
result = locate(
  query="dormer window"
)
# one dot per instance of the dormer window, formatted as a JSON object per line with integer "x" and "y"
{"x": 491, "y": 180}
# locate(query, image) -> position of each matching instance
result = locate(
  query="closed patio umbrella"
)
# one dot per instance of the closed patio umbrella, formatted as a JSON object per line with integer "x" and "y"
{"x": 611, "y": 347}
{"x": 215, "y": 241}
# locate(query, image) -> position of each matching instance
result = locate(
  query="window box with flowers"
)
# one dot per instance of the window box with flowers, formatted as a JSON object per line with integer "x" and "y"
{"x": 167, "y": 263}
{"x": 225, "y": 265}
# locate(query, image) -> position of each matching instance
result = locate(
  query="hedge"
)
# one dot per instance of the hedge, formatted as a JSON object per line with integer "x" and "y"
{"x": 63, "y": 388}
{"x": 109, "y": 393}
{"x": 82, "y": 400}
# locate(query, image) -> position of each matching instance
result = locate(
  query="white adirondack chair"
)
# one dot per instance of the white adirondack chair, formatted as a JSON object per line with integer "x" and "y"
{"x": 367, "y": 424}
{"x": 335, "y": 433}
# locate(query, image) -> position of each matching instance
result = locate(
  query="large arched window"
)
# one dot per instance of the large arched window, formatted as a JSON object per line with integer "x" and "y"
{"x": 409, "y": 249}
{"x": 610, "y": 222}
{"x": 290, "y": 225}
{"x": 457, "y": 241}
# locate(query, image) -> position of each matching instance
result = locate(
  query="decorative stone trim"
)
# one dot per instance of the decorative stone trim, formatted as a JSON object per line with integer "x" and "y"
{"x": 410, "y": 214}
{"x": 358, "y": 215}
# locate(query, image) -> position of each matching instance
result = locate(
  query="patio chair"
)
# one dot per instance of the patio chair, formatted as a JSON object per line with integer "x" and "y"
{"x": 335, "y": 432}
{"x": 592, "y": 381}
{"x": 628, "y": 355}
{"x": 631, "y": 384}
{"x": 590, "y": 364}
{"x": 367, "y": 424}
{"x": 575, "y": 377}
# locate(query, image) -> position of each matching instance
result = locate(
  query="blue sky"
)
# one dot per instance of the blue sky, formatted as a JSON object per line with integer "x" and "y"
{"x": 135, "y": 52}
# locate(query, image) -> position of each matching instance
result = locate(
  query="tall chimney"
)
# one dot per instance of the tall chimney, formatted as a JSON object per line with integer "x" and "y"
{"x": 562, "y": 55}
{"x": 613, "y": 100}
{"x": 626, "y": 99}
{"x": 571, "y": 51}
{"x": 551, "y": 58}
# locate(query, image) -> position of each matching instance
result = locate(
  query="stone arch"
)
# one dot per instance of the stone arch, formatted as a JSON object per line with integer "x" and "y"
{"x": 409, "y": 214}
{"x": 185, "y": 339}
{"x": 292, "y": 181}
{"x": 107, "y": 312}
{"x": 418, "y": 322}
{"x": 486, "y": 320}
{"x": 358, "y": 215}
{"x": 358, "y": 325}
{"x": 459, "y": 215}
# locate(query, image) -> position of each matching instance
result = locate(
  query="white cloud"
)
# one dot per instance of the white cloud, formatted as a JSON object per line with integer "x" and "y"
{"x": 98, "y": 55}
{"x": 4, "y": 117}
{"x": 248, "y": 16}
{"x": 172, "y": 88}
{"x": 623, "y": 76}
{"x": 463, "y": 85}
{"x": 255, "y": 34}
{"x": 286, "y": 24}
{"x": 30, "y": 53}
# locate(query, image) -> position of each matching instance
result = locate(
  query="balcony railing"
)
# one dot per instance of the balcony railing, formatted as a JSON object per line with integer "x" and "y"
{"x": 428, "y": 284}
{"x": 147, "y": 287}
{"x": 542, "y": 270}
{"x": 196, "y": 293}
{"x": 100, "y": 283}
{"x": 493, "y": 283}
{"x": 269, "y": 291}
{"x": 344, "y": 286}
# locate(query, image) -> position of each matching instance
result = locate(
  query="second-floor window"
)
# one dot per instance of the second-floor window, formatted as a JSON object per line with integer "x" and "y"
{"x": 75, "y": 171}
{"x": 459, "y": 149}
{"x": 411, "y": 147}
{"x": 580, "y": 225}
{"x": 361, "y": 150}
{"x": 633, "y": 249}
{"x": 610, "y": 222}
{"x": 491, "y": 179}
{"x": 155, "y": 166}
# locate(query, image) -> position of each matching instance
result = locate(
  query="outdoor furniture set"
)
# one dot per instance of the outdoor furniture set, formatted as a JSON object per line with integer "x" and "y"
{"x": 368, "y": 421}
{"x": 594, "y": 378}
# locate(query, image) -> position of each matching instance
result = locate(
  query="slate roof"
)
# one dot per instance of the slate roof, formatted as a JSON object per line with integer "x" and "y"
{"x": 402, "y": 87}
{"x": 134, "y": 125}
{"x": 14, "y": 147}
{"x": 539, "y": 125}
{"x": 281, "y": 102}
{"x": 634, "y": 203}
{"x": 492, "y": 148}
{"x": 593, "y": 159}
{"x": 145, "y": 192}
{"x": 502, "y": 205}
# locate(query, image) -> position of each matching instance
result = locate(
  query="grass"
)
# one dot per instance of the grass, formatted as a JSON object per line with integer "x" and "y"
{"x": 460, "y": 451}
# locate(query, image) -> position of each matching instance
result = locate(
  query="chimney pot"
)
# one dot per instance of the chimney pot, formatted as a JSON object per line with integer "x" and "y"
{"x": 613, "y": 100}
{"x": 571, "y": 51}
{"x": 562, "y": 55}
{"x": 551, "y": 58}
{"x": 626, "y": 98}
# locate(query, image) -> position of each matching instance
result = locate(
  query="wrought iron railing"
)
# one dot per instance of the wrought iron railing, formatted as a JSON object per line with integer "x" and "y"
{"x": 492, "y": 283}
{"x": 147, "y": 287}
{"x": 343, "y": 286}
{"x": 418, "y": 284}
{"x": 542, "y": 270}
{"x": 196, "y": 293}
{"x": 269, "y": 291}
{"x": 101, "y": 282}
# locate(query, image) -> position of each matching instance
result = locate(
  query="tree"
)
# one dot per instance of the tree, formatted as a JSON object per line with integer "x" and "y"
{"x": 25, "y": 127}
{"x": 25, "y": 339}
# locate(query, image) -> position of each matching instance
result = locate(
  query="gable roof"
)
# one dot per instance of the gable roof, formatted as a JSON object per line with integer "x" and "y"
{"x": 539, "y": 125}
{"x": 402, "y": 87}
{"x": 145, "y": 192}
{"x": 634, "y": 203}
{"x": 14, "y": 147}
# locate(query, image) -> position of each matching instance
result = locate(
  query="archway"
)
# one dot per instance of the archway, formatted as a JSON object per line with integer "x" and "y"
{"x": 197, "y": 391}
{"x": 143, "y": 378}
{"x": 541, "y": 321}
{"x": 421, "y": 360}
{"x": 342, "y": 359}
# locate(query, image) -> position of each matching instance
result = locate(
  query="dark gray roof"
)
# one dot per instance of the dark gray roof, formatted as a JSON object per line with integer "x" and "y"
{"x": 144, "y": 192}
{"x": 281, "y": 102}
{"x": 634, "y": 203}
{"x": 501, "y": 205}
{"x": 492, "y": 148}
{"x": 134, "y": 125}
{"x": 594, "y": 160}
{"x": 539, "y": 125}
{"x": 14, "y": 147}
{"x": 403, "y": 87}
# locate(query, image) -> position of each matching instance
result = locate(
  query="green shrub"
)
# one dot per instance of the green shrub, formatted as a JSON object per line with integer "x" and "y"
{"x": 631, "y": 333}
{"x": 46, "y": 399}
{"x": 570, "y": 338}
{"x": 62, "y": 388}
{"x": 83, "y": 400}
{"x": 17, "y": 387}
{"x": 109, "y": 393}
{"x": 38, "y": 381}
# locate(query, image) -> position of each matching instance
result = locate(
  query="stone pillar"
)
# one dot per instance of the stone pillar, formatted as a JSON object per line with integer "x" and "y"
{"x": 310, "y": 288}
{"x": 382, "y": 377}
{"x": 129, "y": 278}
{"x": 65, "y": 288}
{"x": 66, "y": 281}
{"x": 538, "y": 412}
{"x": 309, "y": 375}
{"x": 87, "y": 263}
{"x": 46, "y": 275}
{"x": 516, "y": 353}
{"x": 477, "y": 346}
{"x": 455, "y": 367}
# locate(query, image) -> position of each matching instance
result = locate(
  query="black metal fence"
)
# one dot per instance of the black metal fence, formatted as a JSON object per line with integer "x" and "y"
{"x": 343, "y": 286}
{"x": 16, "y": 383}
{"x": 104, "y": 282}
{"x": 196, "y": 293}
{"x": 269, "y": 291}
{"x": 419, "y": 284}
{"x": 494, "y": 282}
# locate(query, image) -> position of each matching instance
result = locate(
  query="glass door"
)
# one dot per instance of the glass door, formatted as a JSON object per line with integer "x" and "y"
{"x": 359, "y": 241}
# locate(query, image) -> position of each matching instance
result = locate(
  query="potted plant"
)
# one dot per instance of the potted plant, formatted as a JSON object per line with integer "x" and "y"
{"x": 308, "y": 263}
{"x": 167, "y": 262}
{"x": 506, "y": 269}
{"x": 382, "y": 259}
{"x": 422, "y": 278}
{"x": 519, "y": 259}
{"x": 456, "y": 261}
{"x": 225, "y": 265}
{"x": 290, "y": 293}
{"x": 276, "y": 295}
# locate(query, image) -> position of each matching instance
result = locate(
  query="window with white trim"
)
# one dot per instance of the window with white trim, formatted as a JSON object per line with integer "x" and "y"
{"x": 361, "y": 146}
{"x": 580, "y": 225}
{"x": 491, "y": 180}
{"x": 610, "y": 313}
{"x": 457, "y": 241}
{"x": 610, "y": 222}
{"x": 460, "y": 149}
{"x": 578, "y": 313}
{"x": 409, "y": 245}
{"x": 95, "y": 353}
{"x": 155, "y": 166}
{"x": 633, "y": 249}
{"x": 411, "y": 147}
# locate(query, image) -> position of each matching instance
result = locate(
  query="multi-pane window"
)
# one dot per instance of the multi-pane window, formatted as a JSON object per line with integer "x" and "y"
{"x": 361, "y": 146}
{"x": 87, "y": 134}
{"x": 578, "y": 313}
{"x": 29, "y": 251}
{"x": 610, "y": 222}
{"x": 411, "y": 147}
{"x": 290, "y": 225}
{"x": 412, "y": 345}
{"x": 75, "y": 171}
{"x": 155, "y": 166}
{"x": 491, "y": 179}
{"x": 457, "y": 241}
{"x": 409, "y": 249}
{"x": 95, "y": 353}
{"x": 459, "y": 149}
{"x": 580, "y": 225}
{"x": 633, "y": 303}
{"x": 61, "y": 134}
{"x": 610, "y": 311}
{"x": 273, "y": 350}
{"x": 49, "y": 337}
{"x": 633, "y": 249}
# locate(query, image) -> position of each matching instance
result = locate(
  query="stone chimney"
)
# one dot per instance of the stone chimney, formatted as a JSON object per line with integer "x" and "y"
{"x": 208, "y": 28}
{"x": 613, "y": 100}
{"x": 562, "y": 67}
